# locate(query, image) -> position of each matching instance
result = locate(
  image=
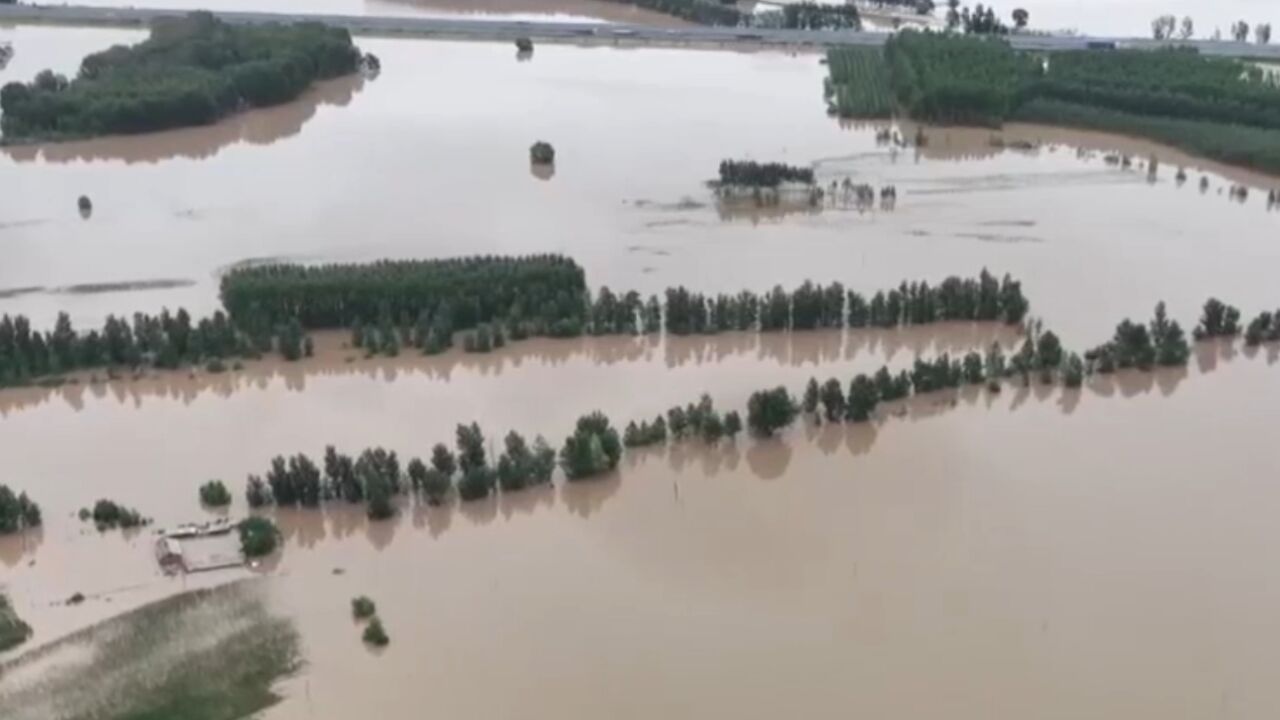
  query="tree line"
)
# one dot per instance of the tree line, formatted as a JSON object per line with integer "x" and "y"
{"x": 166, "y": 341}
{"x": 749, "y": 173}
{"x": 17, "y": 511}
{"x": 190, "y": 71}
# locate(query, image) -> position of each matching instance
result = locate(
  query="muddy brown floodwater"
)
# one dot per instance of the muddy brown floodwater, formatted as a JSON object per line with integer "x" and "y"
{"x": 423, "y": 162}
{"x": 1037, "y": 553}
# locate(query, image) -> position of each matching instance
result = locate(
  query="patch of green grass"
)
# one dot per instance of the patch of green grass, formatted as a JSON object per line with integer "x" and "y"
{"x": 203, "y": 655}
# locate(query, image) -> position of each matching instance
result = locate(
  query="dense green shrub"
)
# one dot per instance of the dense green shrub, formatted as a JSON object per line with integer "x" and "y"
{"x": 951, "y": 78}
{"x": 191, "y": 71}
{"x": 108, "y": 514}
{"x": 592, "y": 449}
{"x": 215, "y": 494}
{"x": 363, "y": 608}
{"x": 375, "y": 634}
{"x": 770, "y": 410}
{"x": 17, "y": 511}
{"x": 258, "y": 536}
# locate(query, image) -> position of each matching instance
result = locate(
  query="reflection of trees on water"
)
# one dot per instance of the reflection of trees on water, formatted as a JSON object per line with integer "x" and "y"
{"x": 261, "y": 126}
{"x": 15, "y": 547}
{"x": 787, "y": 349}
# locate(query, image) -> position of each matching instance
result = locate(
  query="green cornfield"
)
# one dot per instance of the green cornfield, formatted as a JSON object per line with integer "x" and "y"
{"x": 858, "y": 85}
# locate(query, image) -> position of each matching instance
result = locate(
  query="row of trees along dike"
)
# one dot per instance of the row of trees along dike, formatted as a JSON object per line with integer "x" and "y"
{"x": 795, "y": 16}
{"x": 752, "y": 174}
{"x": 595, "y": 446}
{"x": 424, "y": 304}
{"x": 190, "y": 71}
{"x": 1223, "y": 108}
{"x": 17, "y": 511}
{"x": 165, "y": 341}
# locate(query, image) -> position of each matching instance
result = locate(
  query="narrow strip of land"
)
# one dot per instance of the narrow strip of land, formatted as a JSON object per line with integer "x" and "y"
{"x": 497, "y": 29}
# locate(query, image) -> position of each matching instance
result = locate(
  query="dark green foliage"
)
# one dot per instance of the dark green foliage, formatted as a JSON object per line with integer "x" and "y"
{"x": 812, "y": 395}
{"x": 542, "y": 153}
{"x": 1174, "y": 84}
{"x": 17, "y": 511}
{"x": 955, "y": 79}
{"x": 732, "y": 424}
{"x": 416, "y": 470}
{"x": 859, "y": 83}
{"x": 374, "y": 634}
{"x": 13, "y": 631}
{"x": 833, "y": 401}
{"x": 295, "y": 481}
{"x": 443, "y": 461}
{"x": 517, "y": 466}
{"x": 646, "y": 433}
{"x": 1218, "y": 320}
{"x": 749, "y": 173}
{"x": 1263, "y": 328}
{"x": 890, "y": 387}
{"x": 435, "y": 486}
{"x": 165, "y": 341}
{"x": 191, "y": 71}
{"x": 543, "y": 294}
{"x": 769, "y": 411}
{"x": 814, "y": 16}
{"x": 864, "y": 395}
{"x": 476, "y": 483}
{"x": 677, "y": 423}
{"x": 592, "y": 449}
{"x": 1236, "y": 144}
{"x": 215, "y": 494}
{"x": 1073, "y": 371}
{"x": 940, "y": 374}
{"x": 108, "y": 514}
{"x": 291, "y": 339}
{"x": 257, "y": 493}
{"x": 258, "y": 536}
{"x": 471, "y": 452}
{"x": 363, "y": 608}
{"x": 974, "y": 373}
{"x": 1172, "y": 349}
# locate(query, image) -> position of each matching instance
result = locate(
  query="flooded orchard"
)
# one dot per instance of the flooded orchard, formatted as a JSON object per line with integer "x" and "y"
{"x": 1038, "y": 552}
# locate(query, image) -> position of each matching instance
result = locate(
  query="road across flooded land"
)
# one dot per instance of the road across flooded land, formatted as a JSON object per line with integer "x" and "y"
{"x": 1033, "y": 553}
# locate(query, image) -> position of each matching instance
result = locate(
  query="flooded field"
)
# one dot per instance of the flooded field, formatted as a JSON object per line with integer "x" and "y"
{"x": 1078, "y": 551}
{"x": 1036, "y": 553}
{"x": 443, "y": 169}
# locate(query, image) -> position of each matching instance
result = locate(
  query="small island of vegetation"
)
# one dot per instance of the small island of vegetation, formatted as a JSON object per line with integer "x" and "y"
{"x": 17, "y": 511}
{"x": 1221, "y": 108}
{"x": 191, "y": 71}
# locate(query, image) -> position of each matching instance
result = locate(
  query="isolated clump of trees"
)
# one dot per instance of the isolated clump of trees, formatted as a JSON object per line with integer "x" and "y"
{"x": 190, "y": 71}
{"x": 165, "y": 341}
{"x": 259, "y": 536}
{"x": 108, "y": 514}
{"x": 17, "y": 511}
{"x": 215, "y": 494}
{"x": 817, "y": 16}
{"x": 13, "y": 631}
{"x": 752, "y": 174}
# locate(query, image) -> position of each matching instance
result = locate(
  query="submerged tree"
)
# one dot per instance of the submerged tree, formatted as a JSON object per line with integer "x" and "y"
{"x": 770, "y": 410}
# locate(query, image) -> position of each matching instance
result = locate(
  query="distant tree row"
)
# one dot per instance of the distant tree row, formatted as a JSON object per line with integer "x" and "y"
{"x": 191, "y": 71}
{"x": 749, "y": 173}
{"x": 17, "y": 511}
{"x": 542, "y": 292}
{"x": 376, "y": 476}
{"x": 812, "y": 306}
{"x": 817, "y": 16}
{"x": 698, "y": 420}
{"x": 703, "y": 12}
{"x": 166, "y": 341}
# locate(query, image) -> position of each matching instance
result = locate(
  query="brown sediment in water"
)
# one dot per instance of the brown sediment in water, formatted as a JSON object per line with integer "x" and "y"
{"x": 1045, "y": 531}
{"x": 790, "y": 352}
